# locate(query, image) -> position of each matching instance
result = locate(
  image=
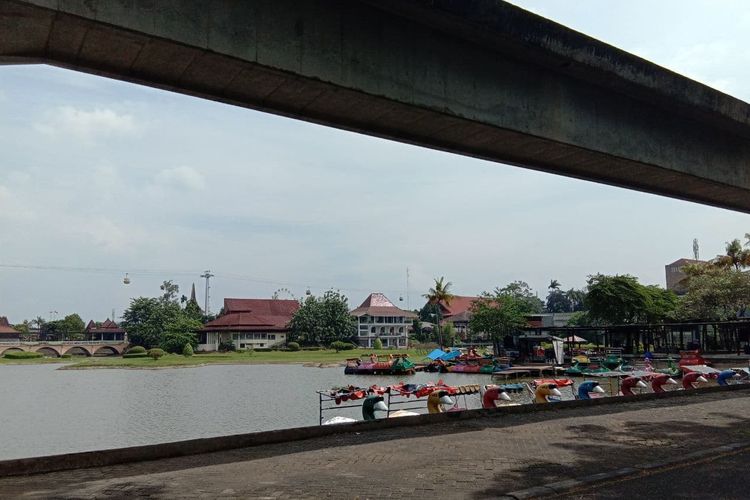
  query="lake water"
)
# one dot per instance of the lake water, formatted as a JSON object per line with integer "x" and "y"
{"x": 46, "y": 411}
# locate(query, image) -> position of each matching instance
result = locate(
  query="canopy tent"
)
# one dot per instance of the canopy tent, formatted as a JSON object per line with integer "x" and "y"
{"x": 575, "y": 339}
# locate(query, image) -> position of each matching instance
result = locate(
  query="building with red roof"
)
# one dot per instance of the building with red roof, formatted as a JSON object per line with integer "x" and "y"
{"x": 249, "y": 324}
{"x": 7, "y": 332}
{"x": 378, "y": 317}
{"x": 108, "y": 330}
{"x": 458, "y": 312}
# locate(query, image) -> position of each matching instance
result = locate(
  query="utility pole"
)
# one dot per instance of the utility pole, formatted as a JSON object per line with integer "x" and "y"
{"x": 408, "y": 307}
{"x": 207, "y": 275}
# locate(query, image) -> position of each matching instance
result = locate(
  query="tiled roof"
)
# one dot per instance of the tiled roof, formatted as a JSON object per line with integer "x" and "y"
{"x": 254, "y": 315}
{"x": 6, "y": 328}
{"x": 108, "y": 326}
{"x": 458, "y": 305}
{"x": 377, "y": 304}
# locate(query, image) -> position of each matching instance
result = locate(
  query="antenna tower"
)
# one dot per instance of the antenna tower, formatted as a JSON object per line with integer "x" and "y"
{"x": 207, "y": 275}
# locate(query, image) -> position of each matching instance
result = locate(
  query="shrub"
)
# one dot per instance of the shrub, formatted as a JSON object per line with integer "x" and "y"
{"x": 342, "y": 346}
{"x": 22, "y": 355}
{"x": 66, "y": 355}
{"x": 226, "y": 346}
{"x": 135, "y": 355}
{"x": 262, "y": 349}
{"x": 136, "y": 349}
{"x": 187, "y": 350}
{"x": 156, "y": 353}
{"x": 292, "y": 346}
{"x": 377, "y": 344}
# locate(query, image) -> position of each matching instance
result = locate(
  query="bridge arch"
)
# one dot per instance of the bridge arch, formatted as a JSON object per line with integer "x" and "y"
{"x": 77, "y": 350}
{"x": 3, "y": 350}
{"x": 48, "y": 351}
{"x": 105, "y": 350}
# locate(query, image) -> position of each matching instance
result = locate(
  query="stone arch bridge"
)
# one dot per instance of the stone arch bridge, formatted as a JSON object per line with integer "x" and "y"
{"x": 57, "y": 349}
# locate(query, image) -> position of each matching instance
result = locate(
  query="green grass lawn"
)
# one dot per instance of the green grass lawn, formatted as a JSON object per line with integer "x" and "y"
{"x": 176, "y": 360}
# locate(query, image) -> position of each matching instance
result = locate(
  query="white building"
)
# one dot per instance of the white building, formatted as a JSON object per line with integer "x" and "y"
{"x": 378, "y": 317}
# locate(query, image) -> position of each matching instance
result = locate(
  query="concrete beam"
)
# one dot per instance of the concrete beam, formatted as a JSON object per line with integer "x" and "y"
{"x": 477, "y": 77}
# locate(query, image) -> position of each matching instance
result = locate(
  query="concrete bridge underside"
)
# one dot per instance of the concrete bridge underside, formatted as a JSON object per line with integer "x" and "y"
{"x": 478, "y": 77}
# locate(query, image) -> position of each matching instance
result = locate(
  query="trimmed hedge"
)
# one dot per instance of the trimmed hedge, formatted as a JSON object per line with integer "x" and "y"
{"x": 292, "y": 346}
{"x": 342, "y": 346}
{"x": 22, "y": 355}
{"x": 135, "y": 355}
{"x": 156, "y": 353}
{"x": 136, "y": 349}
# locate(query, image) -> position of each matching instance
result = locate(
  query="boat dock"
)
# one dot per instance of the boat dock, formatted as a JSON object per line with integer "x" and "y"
{"x": 568, "y": 445}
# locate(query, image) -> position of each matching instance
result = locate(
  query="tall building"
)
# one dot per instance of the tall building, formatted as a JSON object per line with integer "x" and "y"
{"x": 675, "y": 275}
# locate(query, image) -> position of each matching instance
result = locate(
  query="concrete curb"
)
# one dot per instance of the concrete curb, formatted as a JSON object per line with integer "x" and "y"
{"x": 102, "y": 458}
{"x": 570, "y": 485}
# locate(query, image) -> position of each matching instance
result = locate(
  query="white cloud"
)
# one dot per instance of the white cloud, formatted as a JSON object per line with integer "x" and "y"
{"x": 86, "y": 125}
{"x": 182, "y": 177}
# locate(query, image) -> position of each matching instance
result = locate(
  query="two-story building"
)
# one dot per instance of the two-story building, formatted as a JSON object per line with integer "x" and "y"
{"x": 249, "y": 324}
{"x": 378, "y": 317}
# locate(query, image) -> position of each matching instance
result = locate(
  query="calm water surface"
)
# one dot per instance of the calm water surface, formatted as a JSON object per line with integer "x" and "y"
{"x": 45, "y": 411}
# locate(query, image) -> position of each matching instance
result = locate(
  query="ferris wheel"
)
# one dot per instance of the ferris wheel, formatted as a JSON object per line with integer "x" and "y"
{"x": 283, "y": 294}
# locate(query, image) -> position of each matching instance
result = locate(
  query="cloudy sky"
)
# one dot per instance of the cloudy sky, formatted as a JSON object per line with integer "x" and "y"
{"x": 100, "y": 177}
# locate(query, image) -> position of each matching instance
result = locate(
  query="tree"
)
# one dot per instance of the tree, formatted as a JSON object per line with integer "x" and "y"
{"x": 22, "y": 327}
{"x": 736, "y": 256}
{"x": 71, "y": 327}
{"x": 577, "y": 299}
{"x": 178, "y": 332}
{"x": 554, "y": 285}
{"x": 449, "y": 334}
{"x": 498, "y": 315}
{"x": 171, "y": 291}
{"x": 714, "y": 293}
{"x": 620, "y": 299}
{"x": 440, "y": 293}
{"x": 323, "y": 320}
{"x": 147, "y": 318}
{"x": 527, "y": 300}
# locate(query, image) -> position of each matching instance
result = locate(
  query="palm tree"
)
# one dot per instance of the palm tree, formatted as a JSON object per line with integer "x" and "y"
{"x": 736, "y": 256}
{"x": 440, "y": 294}
{"x": 747, "y": 238}
{"x": 554, "y": 285}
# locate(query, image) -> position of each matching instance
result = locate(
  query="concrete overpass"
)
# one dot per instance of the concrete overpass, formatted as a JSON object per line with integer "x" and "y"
{"x": 476, "y": 77}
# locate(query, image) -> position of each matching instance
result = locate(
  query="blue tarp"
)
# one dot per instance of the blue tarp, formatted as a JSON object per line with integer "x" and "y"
{"x": 451, "y": 355}
{"x": 445, "y": 356}
{"x": 436, "y": 354}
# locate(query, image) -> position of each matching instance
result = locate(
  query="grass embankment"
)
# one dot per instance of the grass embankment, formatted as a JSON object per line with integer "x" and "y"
{"x": 234, "y": 358}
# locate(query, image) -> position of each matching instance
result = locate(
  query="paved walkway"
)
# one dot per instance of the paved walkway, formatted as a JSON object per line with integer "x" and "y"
{"x": 481, "y": 458}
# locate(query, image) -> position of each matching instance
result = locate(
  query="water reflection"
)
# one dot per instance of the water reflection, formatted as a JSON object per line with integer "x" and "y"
{"x": 46, "y": 411}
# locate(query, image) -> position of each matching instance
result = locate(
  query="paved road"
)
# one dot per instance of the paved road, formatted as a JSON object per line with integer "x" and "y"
{"x": 724, "y": 478}
{"x": 474, "y": 459}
